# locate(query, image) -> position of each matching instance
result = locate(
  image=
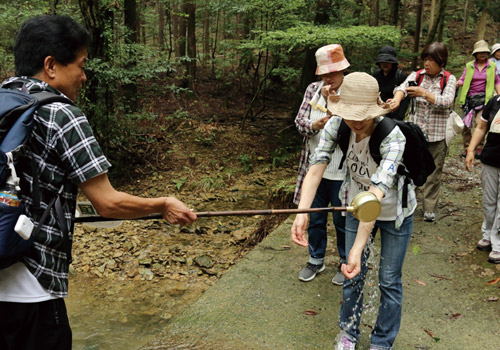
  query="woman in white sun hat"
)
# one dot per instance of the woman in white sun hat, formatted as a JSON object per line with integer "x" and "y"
{"x": 495, "y": 56}
{"x": 359, "y": 105}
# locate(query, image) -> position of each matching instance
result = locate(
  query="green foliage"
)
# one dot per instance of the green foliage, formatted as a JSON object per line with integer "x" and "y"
{"x": 209, "y": 183}
{"x": 179, "y": 182}
{"x": 283, "y": 188}
{"x": 246, "y": 162}
{"x": 358, "y": 42}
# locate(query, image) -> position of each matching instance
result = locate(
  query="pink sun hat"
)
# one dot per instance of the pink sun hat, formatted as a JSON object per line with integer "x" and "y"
{"x": 330, "y": 58}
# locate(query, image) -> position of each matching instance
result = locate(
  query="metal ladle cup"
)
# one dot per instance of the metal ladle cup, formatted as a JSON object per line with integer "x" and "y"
{"x": 365, "y": 206}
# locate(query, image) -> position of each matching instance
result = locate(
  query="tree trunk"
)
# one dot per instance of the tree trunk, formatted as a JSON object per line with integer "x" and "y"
{"x": 182, "y": 39}
{"x": 130, "y": 19}
{"x": 437, "y": 21}
{"x": 161, "y": 24}
{"x": 403, "y": 14}
{"x": 395, "y": 12}
{"x": 418, "y": 26}
{"x": 174, "y": 10}
{"x": 191, "y": 41}
{"x": 466, "y": 15}
{"x": 481, "y": 27}
{"x": 432, "y": 15}
{"x": 206, "y": 32}
{"x": 376, "y": 12}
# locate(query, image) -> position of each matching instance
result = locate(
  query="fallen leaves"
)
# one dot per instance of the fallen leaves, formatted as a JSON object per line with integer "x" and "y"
{"x": 491, "y": 299}
{"x": 431, "y": 335}
{"x": 495, "y": 281}
{"x": 456, "y": 316}
{"x": 422, "y": 283}
{"x": 310, "y": 313}
{"x": 441, "y": 277}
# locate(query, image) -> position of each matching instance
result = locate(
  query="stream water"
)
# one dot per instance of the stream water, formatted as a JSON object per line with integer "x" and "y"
{"x": 121, "y": 295}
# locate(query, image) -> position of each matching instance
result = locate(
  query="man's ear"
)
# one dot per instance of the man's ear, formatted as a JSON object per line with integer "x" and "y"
{"x": 49, "y": 66}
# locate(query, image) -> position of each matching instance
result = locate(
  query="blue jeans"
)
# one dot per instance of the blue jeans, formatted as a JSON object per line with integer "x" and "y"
{"x": 327, "y": 194}
{"x": 393, "y": 250}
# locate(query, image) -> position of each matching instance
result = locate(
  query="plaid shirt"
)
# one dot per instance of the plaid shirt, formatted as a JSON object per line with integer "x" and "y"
{"x": 66, "y": 154}
{"x": 431, "y": 118}
{"x": 386, "y": 176}
{"x": 304, "y": 122}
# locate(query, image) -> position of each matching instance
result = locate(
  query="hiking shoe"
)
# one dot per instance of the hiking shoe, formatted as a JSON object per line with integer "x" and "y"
{"x": 494, "y": 257}
{"x": 483, "y": 244}
{"x": 338, "y": 279}
{"x": 429, "y": 217}
{"x": 309, "y": 272}
{"x": 344, "y": 343}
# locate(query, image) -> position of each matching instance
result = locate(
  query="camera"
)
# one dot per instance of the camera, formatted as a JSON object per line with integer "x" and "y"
{"x": 412, "y": 83}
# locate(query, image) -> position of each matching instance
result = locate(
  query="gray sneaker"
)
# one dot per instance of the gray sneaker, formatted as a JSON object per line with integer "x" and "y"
{"x": 338, "y": 279}
{"x": 309, "y": 272}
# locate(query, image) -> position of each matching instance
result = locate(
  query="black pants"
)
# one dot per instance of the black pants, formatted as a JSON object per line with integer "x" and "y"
{"x": 34, "y": 326}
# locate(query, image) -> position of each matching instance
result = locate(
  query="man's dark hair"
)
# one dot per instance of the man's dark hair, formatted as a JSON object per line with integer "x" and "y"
{"x": 48, "y": 35}
{"x": 437, "y": 51}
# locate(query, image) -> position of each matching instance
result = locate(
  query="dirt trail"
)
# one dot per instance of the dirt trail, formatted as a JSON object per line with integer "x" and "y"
{"x": 450, "y": 293}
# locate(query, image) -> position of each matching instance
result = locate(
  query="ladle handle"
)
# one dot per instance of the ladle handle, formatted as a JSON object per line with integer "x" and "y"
{"x": 202, "y": 214}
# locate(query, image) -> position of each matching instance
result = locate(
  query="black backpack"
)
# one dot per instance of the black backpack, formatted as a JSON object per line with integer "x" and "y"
{"x": 418, "y": 162}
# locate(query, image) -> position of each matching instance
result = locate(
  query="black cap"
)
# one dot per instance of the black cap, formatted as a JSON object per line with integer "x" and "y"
{"x": 387, "y": 54}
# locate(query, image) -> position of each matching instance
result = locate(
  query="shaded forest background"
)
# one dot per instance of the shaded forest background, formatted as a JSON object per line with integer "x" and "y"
{"x": 158, "y": 65}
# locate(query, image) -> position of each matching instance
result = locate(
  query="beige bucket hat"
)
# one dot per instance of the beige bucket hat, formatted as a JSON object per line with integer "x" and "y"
{"x": 358, "y": 99}
{"x": 481, "y": 46}
{"x": 330, "y": 58}
{"x": 495, "y": 48}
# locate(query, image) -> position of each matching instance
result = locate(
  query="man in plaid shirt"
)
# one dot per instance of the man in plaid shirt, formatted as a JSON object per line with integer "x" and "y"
{"x": 50, "y": 55}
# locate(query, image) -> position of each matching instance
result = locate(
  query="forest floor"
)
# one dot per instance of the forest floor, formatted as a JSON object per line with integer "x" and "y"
{"x": 129, "y": 283}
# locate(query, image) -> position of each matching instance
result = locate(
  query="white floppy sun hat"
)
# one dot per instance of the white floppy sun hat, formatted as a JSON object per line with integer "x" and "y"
{"x": 359, "y": 98}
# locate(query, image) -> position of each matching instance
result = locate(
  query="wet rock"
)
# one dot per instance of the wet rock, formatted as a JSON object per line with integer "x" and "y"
{"x": 204, "y": 261}
{"x": 146, "y": 273}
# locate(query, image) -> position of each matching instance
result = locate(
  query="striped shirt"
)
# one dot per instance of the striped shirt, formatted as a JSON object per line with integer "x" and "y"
{"x": 386, "y": 176}
{"x": 304, "y": 121}
{"x": 66, "y": 154}
{"x": 431, "y": 118}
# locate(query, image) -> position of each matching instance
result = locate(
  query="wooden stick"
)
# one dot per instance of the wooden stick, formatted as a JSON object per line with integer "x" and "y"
{"x": 96, "y": 218}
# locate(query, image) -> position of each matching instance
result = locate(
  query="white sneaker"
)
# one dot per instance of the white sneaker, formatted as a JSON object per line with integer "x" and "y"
{"x": 494, "y": 257}
{"x": 344, "y": 343}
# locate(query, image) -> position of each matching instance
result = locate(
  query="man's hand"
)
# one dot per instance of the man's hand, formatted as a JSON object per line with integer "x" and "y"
{"x": 175, "y": 212}
{"x": 299, "y": 228}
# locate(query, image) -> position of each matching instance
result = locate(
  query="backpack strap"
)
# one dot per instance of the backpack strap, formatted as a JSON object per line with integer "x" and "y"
{"x": 343, "y": 137}
{"x": 419, "y": 77}
{"x": 382, "y": 129}
{"x": 442, "y": 83}
{"x": 46, "y": 97}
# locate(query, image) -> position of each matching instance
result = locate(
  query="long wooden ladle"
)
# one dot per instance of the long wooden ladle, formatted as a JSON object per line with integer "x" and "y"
{"x": 365, "y": 207}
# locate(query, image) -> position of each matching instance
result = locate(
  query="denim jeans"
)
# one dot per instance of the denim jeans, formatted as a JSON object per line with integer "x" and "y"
{"x": 327, "y": 194}
{"x": 393, "y": 250}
